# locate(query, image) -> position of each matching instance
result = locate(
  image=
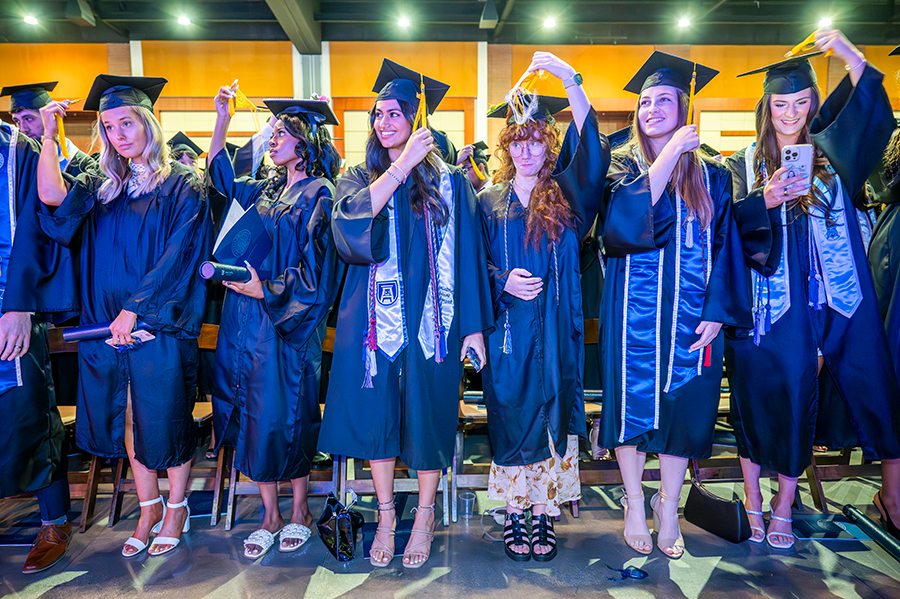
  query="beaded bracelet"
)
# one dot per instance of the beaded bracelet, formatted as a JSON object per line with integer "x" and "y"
{"x": 399, "y": 169}
{"x": 393, "y": 176}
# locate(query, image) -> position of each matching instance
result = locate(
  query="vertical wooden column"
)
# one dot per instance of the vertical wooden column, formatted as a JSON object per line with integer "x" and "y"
{"x": 500, "y": 79}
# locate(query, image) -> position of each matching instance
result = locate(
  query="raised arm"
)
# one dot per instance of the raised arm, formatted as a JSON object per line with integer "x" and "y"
{"x": 223, "y": 119}
{"x": 51, "y": 186}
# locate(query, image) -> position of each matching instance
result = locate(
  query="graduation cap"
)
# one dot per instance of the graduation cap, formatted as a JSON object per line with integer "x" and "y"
{"x": 113, "y": 91}
{"x": 547, "y": 107}
{"x": 32, "y": 96}
{"x": 665, "y": 69}
{"x": 314, "y": 111}
{"x": 787, "y": 76}
{"x": 180, "y": 139}
{"x": 895, "y": 52}
{"x": 619, "y": 138}
{"x": 396, "y": 82}
{"x": 709, "y": 150}
{"x": 480, "y": 152}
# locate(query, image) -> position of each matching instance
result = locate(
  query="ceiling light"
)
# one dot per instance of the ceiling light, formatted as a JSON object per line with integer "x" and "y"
{"x": 403, "y": 22}
{"x": 549, "y": 22}
{"x": 825, "y": 22}
{"x": 31, "y": 20}
{"x": 684, "y": 22}
{"x": 184, "y": 20}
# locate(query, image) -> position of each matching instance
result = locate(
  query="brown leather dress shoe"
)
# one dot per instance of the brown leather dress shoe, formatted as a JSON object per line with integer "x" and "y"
{"x": 49, "y": 547}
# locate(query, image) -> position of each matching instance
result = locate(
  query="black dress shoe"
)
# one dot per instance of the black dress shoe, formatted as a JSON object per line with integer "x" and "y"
{"x": 49, "y": 547}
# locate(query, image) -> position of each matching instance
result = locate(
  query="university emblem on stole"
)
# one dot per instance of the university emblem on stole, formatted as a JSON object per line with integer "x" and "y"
{"x": 387, "y": 292}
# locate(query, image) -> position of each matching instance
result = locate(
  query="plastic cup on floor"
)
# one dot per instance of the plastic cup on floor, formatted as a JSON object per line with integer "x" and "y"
{"x": 467, "y": 504}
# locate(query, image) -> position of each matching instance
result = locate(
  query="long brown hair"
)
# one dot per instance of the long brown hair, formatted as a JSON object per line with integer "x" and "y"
{"x": 768, "y": 154}
{"x": 424, "y": 193}
{"x": 548, "y": 211}
{"x": 688, "y": 175}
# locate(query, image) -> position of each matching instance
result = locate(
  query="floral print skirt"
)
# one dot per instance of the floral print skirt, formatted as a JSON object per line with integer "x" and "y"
{"x": 552, "y": 482}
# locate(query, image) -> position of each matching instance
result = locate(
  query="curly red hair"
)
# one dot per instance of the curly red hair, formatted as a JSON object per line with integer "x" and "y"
{"x": 548, "y": 210}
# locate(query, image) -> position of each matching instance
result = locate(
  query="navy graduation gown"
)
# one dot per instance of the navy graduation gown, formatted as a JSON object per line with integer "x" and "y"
{"x": 637, "y": 314}
{"x": 537, "y": 388}
{"x": 777, "y": 402}
{"x": 31, "y": 431}
{"x": 140, "y": 254}
{"x": 884, "y": 258}
{"x": 412, "y": 416}
{"x": 268, "y": 353}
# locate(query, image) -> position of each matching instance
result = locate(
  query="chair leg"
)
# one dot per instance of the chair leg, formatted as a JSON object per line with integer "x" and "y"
{"x": 115, "y": 506}
{"x": 454, "y": 480}
{"x": 815, "y": 487}
{"x": 574, "y": 507}
{"x": 90, "y": 496}
{"x": 231, "y": 511}
{"x": 219, "y": 486}
{"x": 342, "y": 488}
{"x": 445, "y": 496}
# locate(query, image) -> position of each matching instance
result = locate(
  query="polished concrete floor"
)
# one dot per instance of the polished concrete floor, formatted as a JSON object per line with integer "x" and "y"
{"x": 464, "y": 562}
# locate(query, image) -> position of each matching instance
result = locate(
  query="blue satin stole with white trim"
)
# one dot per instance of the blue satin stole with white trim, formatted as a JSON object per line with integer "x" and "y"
{"x": 10, "y": 371}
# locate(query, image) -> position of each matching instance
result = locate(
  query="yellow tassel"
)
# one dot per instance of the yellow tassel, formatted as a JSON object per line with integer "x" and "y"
{"x": 477, "y": 170}
{"x": 690, "y": 114}
{"x": 62, "y": 137}
{"x": 806, "y": 45}
{"x": 242, "y": 101}
{"x": 422, "y": 111}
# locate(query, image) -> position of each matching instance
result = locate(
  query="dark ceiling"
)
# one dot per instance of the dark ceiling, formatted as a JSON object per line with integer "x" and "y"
{"x": 307, "y": 22}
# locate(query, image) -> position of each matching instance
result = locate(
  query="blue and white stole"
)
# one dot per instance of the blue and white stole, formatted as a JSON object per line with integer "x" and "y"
{"x": 833, "y": 278}
{"x": 386, "y": 329}
{"x": 10, "y": 371}
{"x": 645, "y": 371}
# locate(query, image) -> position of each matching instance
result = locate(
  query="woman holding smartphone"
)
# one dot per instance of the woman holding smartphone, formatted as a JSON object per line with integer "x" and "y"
{"x": 814, "y": 302}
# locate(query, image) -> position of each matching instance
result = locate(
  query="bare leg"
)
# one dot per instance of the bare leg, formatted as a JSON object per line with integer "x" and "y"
{"x": 631, "y": 466}
{"x": 272, "y": 520}
{"x": 300, "y": 509}
{"x": 383, "y": 477}
{"x": 428, "y": 484}
{"x": 890, "y": 489}
{"x": 146, "y": 482}
{"x": 781, "y": 507}
{"x": 671, "y": 471}
{"x": 176, "y": 517}
{"x": 753, "y": 498}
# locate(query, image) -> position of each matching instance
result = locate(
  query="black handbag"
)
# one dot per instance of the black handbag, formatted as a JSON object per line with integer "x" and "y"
{"x": 338, "y": 527}
{"x": 722, "y": 517}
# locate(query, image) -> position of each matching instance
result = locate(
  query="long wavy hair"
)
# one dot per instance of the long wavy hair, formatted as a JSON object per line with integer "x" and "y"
{"x": 548, "y": 211}
{"x": 768, "y": 154}
{"x": 115, "y": 169}
{"x": 687, "y": 177}
{"x": 891, "y": 158}
{"x": 316, "y": 151}
{"x": 424, "y": 193}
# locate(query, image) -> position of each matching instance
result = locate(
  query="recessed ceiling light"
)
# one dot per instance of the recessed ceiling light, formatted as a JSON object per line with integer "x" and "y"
{"x": 184, "y": 20}
{"x": 825, "y": 22}
{"x": 684, "y": 22}
{"x": 549, "y": 22}
{"x": 403, "y": 22}
{"x": 31, "y": 20}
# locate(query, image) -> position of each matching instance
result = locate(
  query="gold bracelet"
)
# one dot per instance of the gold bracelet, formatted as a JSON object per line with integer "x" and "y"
{"x": 861, "y": 63}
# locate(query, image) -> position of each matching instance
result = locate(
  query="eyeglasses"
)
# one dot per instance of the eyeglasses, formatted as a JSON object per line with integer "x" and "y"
{"x": 534, "y": 147}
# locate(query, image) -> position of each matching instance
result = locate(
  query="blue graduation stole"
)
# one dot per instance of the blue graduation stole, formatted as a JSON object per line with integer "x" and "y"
{"x": 10, "y": 371}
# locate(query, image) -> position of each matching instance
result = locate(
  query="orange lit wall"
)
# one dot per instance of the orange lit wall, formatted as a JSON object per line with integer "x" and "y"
{"x": 355, "y": 65}
{"x": 198, "y": 69}
{"x": 73, "y": 65}
{"x": 890, "y": 66}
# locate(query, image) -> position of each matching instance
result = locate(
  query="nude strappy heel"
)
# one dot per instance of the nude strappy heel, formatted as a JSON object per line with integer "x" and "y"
{"x": 673, "y": 548}
{"x": 384, "y": 549}
{"x": 633, "y": 541}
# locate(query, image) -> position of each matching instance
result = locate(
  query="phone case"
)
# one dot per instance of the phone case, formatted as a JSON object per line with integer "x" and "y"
{"x": 798, "y": 159}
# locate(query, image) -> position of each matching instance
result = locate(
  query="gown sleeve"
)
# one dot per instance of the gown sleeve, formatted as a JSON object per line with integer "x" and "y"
{"x": 168, "y": 295}
{"x": 298, "y": 299}
{"x": 63, "y": 223}
{"x": 853, "y": 127}
{"x": 581, "y": 171}
{"x": 728, "y": 296}
{"x": 476, "y": 313}
{"x": 488, "y": 198}
{"x": 756, "y": 225}
{"x": 360, "y": 236}
{"x": 221, "y": 176}
{"x": 629, "y": 222}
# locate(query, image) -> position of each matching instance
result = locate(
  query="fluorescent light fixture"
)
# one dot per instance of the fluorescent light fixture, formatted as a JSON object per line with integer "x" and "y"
{"x": 403, "y": 22}
{"x": 184, "y": 20}
{"x": 825, "y": 22}
{"x": 684, "y": 22}
{"x": 31, "y": 20}
{"x": 549, "y": 22}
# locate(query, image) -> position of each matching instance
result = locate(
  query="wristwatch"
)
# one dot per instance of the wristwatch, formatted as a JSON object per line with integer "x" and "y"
{"x": 575, "y": 79}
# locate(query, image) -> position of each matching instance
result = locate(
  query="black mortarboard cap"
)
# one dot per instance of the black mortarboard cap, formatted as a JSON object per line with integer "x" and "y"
{"x": 180, "y": 139}
{"x": 32, "y": 96}
{"x": 709, "y": 150}
{"x": 231, "y": 148}
{"x": 313, "y": 110}
{"x": 894, "y": 52}
{"x": 787, "y": 76}
{"x": 547, "y": 107}
{"x": 396, "y": 82}
{"x": 665, "y": 69}
{"x": 113, "y": 91}
{"x": 618, "y": 138}
{"x": 480, "y": 152}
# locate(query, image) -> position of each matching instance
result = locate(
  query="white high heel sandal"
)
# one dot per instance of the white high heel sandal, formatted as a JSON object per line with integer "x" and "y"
{"x": 172, "y": 541}
{"x": 138, "y": 544}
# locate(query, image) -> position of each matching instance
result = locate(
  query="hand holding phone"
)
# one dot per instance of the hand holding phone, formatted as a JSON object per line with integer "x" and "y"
{"x": 473, "y": 359}
{"x": 798, "y": 160}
